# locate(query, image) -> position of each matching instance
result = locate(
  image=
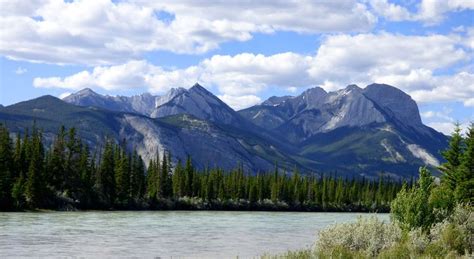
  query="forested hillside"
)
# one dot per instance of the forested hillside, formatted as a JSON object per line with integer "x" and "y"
{"x": 68, "y": 175}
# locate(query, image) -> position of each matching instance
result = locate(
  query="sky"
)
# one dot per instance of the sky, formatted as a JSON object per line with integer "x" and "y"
{"x": 241, "y": 50}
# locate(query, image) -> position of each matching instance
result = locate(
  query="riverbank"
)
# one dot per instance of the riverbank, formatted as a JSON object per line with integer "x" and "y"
{"x": 198, "y": 204}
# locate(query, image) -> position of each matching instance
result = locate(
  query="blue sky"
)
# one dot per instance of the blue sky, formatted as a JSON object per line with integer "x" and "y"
{"x": 242, "y": 51}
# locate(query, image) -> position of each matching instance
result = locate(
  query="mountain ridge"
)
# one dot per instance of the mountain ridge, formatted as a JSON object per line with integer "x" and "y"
{"x": 356, "y": 131}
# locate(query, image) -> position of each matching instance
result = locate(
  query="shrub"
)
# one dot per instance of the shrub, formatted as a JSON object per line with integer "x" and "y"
{"x": 456, "y": 232}
{"x": 367, "y": 236}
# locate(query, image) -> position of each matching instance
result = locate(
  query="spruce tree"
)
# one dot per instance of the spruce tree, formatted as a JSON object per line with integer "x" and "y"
{"x": 56, "y": 164}
{"x": 189, "y": 171}
{"x": 464, "y": 191}
{"x": 453, "y": 156}
{"x": 165, "y": 185}
{"x": 35, "y": 184}
{"x": 6, "y": 168}
{"x": 105, "y": 181}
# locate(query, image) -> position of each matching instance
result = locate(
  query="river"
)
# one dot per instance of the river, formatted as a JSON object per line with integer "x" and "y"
{"x": 161, "y": 233}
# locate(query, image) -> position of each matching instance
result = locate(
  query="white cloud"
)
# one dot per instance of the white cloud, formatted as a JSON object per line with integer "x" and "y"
{"x": 469, "y": 102}
{"x": 64, "y": 95}
{"x": 234, "y": 76}
{"x": 447, "y": 128}
{"x": 105, "y": 32}
{"x": 390, "y": 11}
{"x": 240, "y": 102}
{"x": 433, "y": 11}
{"x": 430, "y": 12}
{"x": 439, "y": 115}
{"x": 407, "y": 62}
{"x": 20, "y": 71}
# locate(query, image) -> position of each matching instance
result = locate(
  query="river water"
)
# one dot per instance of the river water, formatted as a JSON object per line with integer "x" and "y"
{"x": 161, "y": 233}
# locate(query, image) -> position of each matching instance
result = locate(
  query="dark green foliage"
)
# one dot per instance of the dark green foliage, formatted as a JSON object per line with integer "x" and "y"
{"x": 6, "y": 168}
{"x": 464, "y": 191}
{"x": 67, "y": 174}
{"x": 453, "y": 156}
{"x": 35, "y": 183}
{"x": 105, "y": 180}
{"x": 458, "y": 171}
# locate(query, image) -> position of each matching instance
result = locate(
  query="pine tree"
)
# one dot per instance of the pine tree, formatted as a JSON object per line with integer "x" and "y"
{"x": 56, "y": 171}
{"x": 464, "y": 191}
{"x": 105, "y": 181}
{"x": 189, "y": 171}
{"x": 137, "y": 177}
{"x": 72, "y": 161}
{"x": 178, "y": 180}
{"x": 165, "y": 184}
{"x": 453, "y": 156}
{"x": 35, "y": 184}
{"x": 6, "y": 168}
{"x": 122, "y": 176}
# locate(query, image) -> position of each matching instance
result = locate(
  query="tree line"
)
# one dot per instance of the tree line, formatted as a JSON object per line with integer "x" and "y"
{"x": 67, "y": 174}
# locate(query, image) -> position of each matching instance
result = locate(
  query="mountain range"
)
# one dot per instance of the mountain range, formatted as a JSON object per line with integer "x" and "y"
{"x": 352, "y": 132}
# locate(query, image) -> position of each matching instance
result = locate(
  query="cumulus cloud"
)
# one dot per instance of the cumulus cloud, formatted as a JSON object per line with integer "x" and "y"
{"x": 390, "y": 11}
{"x": 106, "y": 32}
{"x": 447, "y": 127}
{"x": 408, "y": 62}
{"x": 430, "y": 12}
{"x": 240, "y": 102}
{"x": 64, "y": 95}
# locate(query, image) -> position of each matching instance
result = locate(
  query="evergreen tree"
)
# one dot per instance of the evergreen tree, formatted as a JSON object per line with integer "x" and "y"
{"x": 35, "y": 184}
{"x": 165, "y": 184}
{"x": 137, "y": 177}
{"x": 453, "y": 156}
{"x": 56, "y": 171}
{"x": 122, "y": 176}
{"x": 189, "y": 171}
{"x": 105, "y": 180}
{"x": 6, "y": 168}
{"x": 464, "y": 191}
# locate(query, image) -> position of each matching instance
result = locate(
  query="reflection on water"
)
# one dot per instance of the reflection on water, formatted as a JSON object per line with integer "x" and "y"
{"x": 160, "y": 233}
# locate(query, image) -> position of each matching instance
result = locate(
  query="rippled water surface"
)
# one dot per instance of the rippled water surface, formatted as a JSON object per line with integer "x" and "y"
{"x": 160, "y": 233}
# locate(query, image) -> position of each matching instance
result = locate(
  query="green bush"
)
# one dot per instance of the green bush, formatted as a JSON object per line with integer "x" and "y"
{"x": 411, "y": 208}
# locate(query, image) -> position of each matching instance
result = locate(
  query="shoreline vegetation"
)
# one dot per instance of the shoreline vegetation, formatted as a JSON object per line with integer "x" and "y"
{"x": 66, "y": 175}
{"x": 430, "y": 219}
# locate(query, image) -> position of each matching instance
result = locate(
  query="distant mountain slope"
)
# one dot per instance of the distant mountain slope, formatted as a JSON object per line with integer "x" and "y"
{"x": 200, "y": 103}
{"x": 353, "y": 131}
{"x": 181, "y": 135}
{"x": 142, "y": 104}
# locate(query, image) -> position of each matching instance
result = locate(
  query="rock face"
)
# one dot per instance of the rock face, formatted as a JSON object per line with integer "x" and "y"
{"x": 315, "y": 111}
{"x": 142, "y": 104}
{"x": 395, "y": 103}
{"x": 354, "y": 131}
{"x": 198, "y": 102}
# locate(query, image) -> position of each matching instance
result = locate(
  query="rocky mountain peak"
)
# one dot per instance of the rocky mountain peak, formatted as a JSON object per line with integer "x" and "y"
{"x": 196, "y": 101}
{"x": 86, "y": 91}
{"x": 275, "y": 100}
{"x": 395, "y": 103}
